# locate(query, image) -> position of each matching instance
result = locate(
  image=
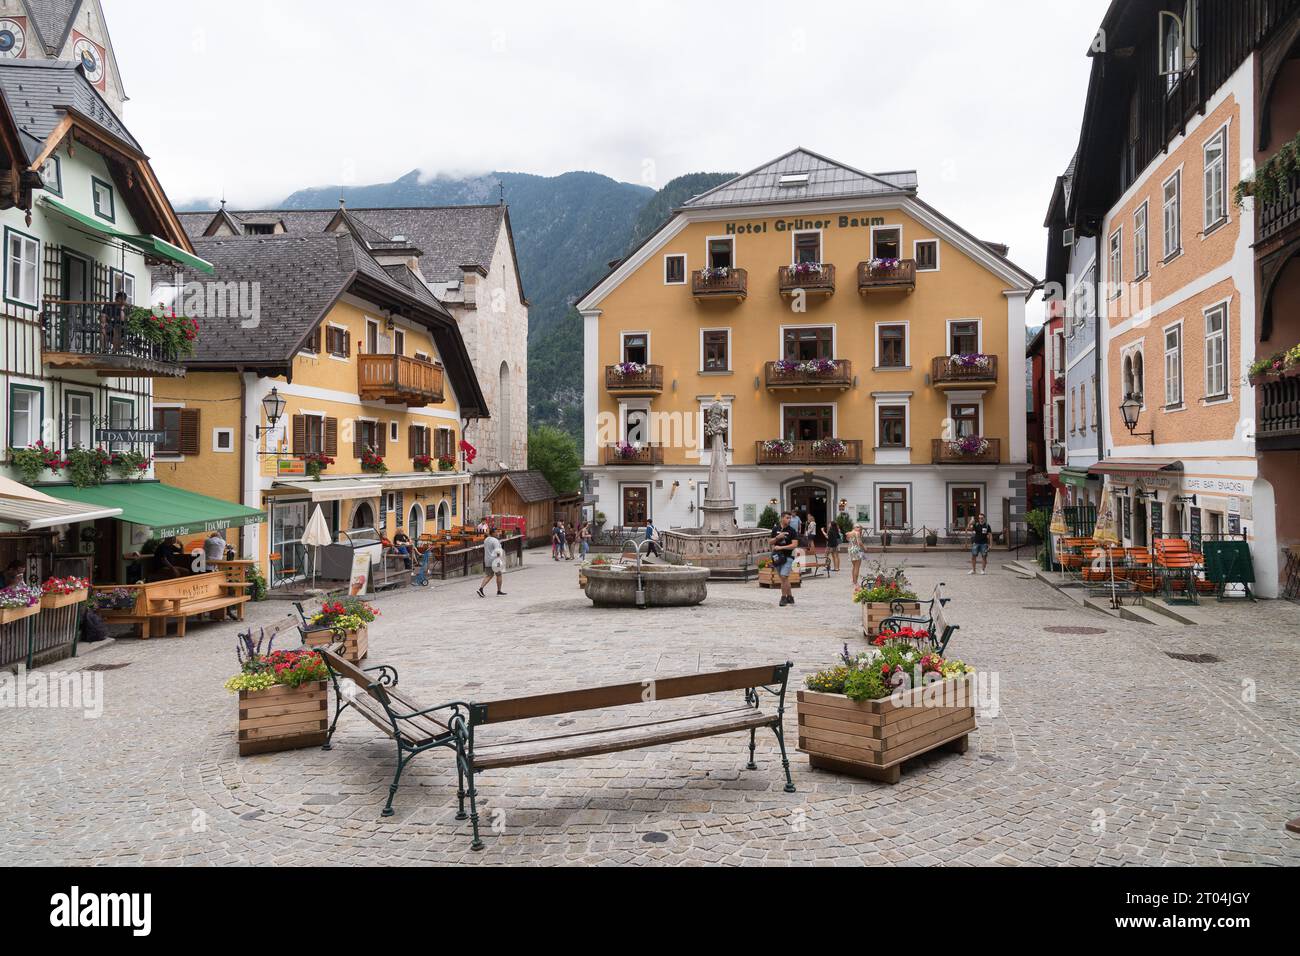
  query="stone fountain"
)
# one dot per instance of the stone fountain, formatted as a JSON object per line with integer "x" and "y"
{"x": 720, "y": 544}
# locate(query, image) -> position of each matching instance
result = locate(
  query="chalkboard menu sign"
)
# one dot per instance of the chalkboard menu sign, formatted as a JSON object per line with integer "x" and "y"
{"x": 1157, "y": 520}
{"x": 1195, "y": 529}
{"x": 1234, "y": 523}
{"x": 1128, "y": 517}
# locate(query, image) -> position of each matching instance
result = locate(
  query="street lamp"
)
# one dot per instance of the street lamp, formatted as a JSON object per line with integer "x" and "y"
{"x": 1131, "y": 410}
{"x": 273, "y": 407}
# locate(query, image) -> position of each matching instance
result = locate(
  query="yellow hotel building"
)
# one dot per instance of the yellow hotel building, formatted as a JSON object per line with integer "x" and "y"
{"x": 870, "y": 352}
{"x": 364, "y": 358}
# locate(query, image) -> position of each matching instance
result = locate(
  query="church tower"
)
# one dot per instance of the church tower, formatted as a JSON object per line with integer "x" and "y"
{"x": 72, "y": 30}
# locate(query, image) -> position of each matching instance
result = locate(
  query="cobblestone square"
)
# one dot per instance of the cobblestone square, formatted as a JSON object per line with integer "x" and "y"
{"x": 1105, "y": 750}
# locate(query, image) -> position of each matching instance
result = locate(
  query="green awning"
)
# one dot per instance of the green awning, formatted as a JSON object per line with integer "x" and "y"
{"x": 162, "y": 510}
{"x": 1078, "y": 477}
{"x": 149, "y": 245}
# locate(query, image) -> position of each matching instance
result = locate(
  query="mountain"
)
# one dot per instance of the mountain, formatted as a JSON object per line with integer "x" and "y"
{"x": 567, "y": 230}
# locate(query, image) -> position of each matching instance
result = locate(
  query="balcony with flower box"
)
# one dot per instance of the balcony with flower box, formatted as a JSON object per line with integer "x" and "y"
{"x": 1277, "y": 401}
{"x": 634, "y": 378}
{"x": 812, "y": 278}
{"x": 113, "y": 339}
{"x": 971, "y": 450}
{"x": 720, "y": 283}
{"x": 399, "y": 380}
{"x": 887, "y": 275}
{"x": 1058, "y": 383}
{"x": 822, "y": 451}
{"x": 627, "y": 454}
{"x": 974, "y": 370}
{"x": 793, "y": 374}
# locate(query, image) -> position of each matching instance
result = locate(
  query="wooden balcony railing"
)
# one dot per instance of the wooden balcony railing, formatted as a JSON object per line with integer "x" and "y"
{"x": 627, "y": 381}
{"x": 1277, "y": 217}
{"x": 814, "y": 281}
{"x": 634, "y": 455}
{"x": 1277, "y": 411}
{"x": 94, "y": 336}
{"x": 956, "y": 371}
{"x": 948, "y": 453}
{"x": 827, "y": 451}
{"x": 400, "y": 380}
{"x": 791, "y": 374}
{"x": 875, "y": 277}
{"x": 710, "y": 284}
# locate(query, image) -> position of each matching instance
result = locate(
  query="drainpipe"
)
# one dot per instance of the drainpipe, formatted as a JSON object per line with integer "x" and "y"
{"x": 243, "y": 455}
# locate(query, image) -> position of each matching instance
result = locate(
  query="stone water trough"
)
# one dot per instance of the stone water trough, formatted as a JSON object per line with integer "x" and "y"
{"x": 665, "y": 586}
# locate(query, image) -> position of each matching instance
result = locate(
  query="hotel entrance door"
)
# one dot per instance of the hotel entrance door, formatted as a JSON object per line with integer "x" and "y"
{"x": 813, "y": 499}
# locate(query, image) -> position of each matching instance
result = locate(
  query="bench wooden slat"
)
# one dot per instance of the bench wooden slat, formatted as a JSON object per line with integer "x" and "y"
{"x": 616, "y": 739}
{"x": 598, "y": 698}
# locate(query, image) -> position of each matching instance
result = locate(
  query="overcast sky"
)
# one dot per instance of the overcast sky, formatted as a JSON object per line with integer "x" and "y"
{"x": 257, "y": 98}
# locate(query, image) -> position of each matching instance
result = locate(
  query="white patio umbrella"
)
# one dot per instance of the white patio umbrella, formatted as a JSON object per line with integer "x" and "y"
{"x": 315, "y": 535}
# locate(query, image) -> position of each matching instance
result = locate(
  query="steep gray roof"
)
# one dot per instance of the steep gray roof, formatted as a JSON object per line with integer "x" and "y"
{"x": 450, "y": 237}
{"x": 53, "y": 21}
{"x": 827, "y": 179}
{"x": 38, "y": 94}
{"x": 531, "y": 486}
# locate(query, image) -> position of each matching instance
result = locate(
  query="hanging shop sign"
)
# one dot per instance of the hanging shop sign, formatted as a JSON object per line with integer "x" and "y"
{"x": 130, "y": 436}
{"x": 290, "y": 468}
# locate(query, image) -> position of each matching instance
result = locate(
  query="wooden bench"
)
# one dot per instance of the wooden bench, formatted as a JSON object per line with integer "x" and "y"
{"x": 158, "y": 602}
{"x": 457, "y": 725}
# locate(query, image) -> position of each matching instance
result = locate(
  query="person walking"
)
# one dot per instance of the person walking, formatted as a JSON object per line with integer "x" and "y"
{"x": 571, "y": 539}
{"x": 784, "y": 543}
{"x": 557, "y": 539}
{"x": 584, "y": 540}
{"x": 652, "y": 535}
{"x": 494, "y": 562}
{"x": 857, "y": 551}
{"x": 810, "y": 532}
{"x": 834, "y": 538}
{"x": 981, "y": 538}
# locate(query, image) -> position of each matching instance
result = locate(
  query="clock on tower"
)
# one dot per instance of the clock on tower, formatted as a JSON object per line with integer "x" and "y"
{"x": 88, "y": 54}
{"x": 12, "y": 39}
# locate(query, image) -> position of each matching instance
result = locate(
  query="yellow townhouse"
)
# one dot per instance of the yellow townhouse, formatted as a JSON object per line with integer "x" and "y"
{"x": 326, "y": 375}
{"x": 870, "y": 353}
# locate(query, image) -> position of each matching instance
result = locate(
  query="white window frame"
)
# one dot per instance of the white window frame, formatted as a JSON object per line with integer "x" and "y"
{"x": 871, "y": 250}
{"x": 1177, "y": 352}
{"x": 706, "y": 445}
{"x": 892, "y": 455}
{"x": 979, "y": 325}
{"x": 835, "y": 336}
{"x": 835, "y": 415}
{"x": 1215, "y": 194}
{"x": 325, "y": 342}
{"x": 1220, "y": 308}
{"x": 686, "y": 271}
{"x": 622, "y": 344}
{"x": 394, "y": 435}
{"x": 1176, "y": 223}
{"x": 907, "y": 347}
{"x": 121, "y": 281}
{"x": 69, "y": 397}
{"x": 917, "y": 259}
{"x": 217, "y": 433}
{"x": 22, "y": 295}
{"x": 821, "y": 242}
{"x": 715, "y": 371}
{"x": 1115, "y": 262}
{"x": 1142, "y": 241}
{"x": 735, "y": 251}
{"x": 35, "y": 395}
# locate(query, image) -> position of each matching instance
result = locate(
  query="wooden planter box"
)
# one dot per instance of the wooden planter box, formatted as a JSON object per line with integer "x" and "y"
{"x": 356, "y": 644}
{"x": 10, "y": 614}
{"x": 873, "y": 738}
{"x": 50, "y": 602}
{"x": 768, "y": 578}
{"x": 873, "y": 615}
{"x": 283, "y": 718}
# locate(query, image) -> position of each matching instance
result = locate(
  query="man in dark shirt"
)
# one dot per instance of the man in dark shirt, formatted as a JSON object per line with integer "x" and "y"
{"x": 784, "y": 541}
{"x": 167, "y": 559}
{"x": 981, "y": 538}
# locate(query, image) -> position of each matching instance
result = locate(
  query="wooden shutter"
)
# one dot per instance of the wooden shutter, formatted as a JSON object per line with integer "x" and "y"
{"x": 401, "y": 508}
{"x": 189, "y": 431}
{"x": 347, "y": 343}
{"x": 381, "y": 439}
{"x": 332, "y": 437}
{"x": 413, "y": 439}
{"x": 299, "y": 435}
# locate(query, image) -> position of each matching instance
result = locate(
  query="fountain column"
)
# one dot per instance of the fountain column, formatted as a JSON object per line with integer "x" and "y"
{"x": 719, "y": 507}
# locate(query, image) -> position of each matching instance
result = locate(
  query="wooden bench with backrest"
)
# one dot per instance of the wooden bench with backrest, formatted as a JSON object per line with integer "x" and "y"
{"x": 158, "y": 602}
{"x": 458, "y": 725}
{"x": 935, "y": 625}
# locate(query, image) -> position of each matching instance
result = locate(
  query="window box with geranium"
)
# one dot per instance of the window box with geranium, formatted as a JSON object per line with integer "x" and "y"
{"x": 447, "y": 463}
{"x": 32, "y": 462}
{"x": 172, "y": 336}
{"x": 346, "y": 621}
{"x": 63, "y": 592}
{"x": 316, "y": 464}
{"x": 423, "y": 462}
{"x": 778, "y": 447}
{"x": 282, "y": 698}
{"x": 131, "y": 465}
{"x": 88, "y": 467}
{"x": 19, "y": 601}
{"x": 829, "y": 448}
{"x": 971, "y": 446}
{"x": 871, "y": 712}
{"x": 626, "y": 451}
{"x": 885, "y": 592}
{"x": 628, "y": 369}
{"x": 372, "y": 462}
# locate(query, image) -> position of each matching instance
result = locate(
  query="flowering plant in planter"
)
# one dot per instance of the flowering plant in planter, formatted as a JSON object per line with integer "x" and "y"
{"x": 278, "y": 668}
{"x": 64, "y": 585}
{"x": 779, "y": 446}
{"x": 969, "y": 446}
{"x": 626, "y": 369}
{"x": 715, "y": 272}
{"x": 346, "y": 615}
{"x": 117, "y": 599}
{"x": 884, "y": 669}
{"x": 34, "y": 459}
{"x": 971, "y": 360}
{"x": 176, "y": 334}
{"x": 131, "y": 464}
{"x": 88, "y": 467}
{"x": 423, "y": 462}
{"x": 1277, "y": 363}
{"x": 20, "y": 595}
{"x": 626, "y": 450}
{"x": 884, "y": 584}
{"x": 884, "y": 265}
{"x": 317, "y": 463}
{"x": 372, "y": 462}
{"x": 806, "y": 269}
{"x": 447, "y": 463}
{"x": 829, "y": 447}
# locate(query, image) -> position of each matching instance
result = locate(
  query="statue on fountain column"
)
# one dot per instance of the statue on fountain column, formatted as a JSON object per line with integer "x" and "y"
{"x": 719, "y": 508}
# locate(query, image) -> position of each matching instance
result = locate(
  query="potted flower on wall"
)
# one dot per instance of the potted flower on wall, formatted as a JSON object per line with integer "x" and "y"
{"x": 372, "y": 462}
{"x": 885, "y": 592}
{"x": 282, "y": 698}
{"x": 316, "y": 464}
{"x": 131, "y": 465}
{"x": 33, "y": 461}
{"x": 88, "y": 467}
{"x": 1279, "y": 363}
{"x": 971, "y": 446}
{"x": 63, "y": 592}
{"x": 19, "y": 601}
{"x": 423, "y": 462}
{"x": 447, "y": 463}
{"x": 347, "y": 621}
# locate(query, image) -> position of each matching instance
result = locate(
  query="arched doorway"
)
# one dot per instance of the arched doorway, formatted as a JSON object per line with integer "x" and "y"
{"x": 503, "y": 415}
{"x": 363, "y": 516}
{"x": 444, "y": 516}
{"x": 415, "y": 523}
{"x": 813, "y": 500}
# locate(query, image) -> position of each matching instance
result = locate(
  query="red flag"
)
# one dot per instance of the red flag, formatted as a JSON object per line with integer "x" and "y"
{"x": 470, "y": 452}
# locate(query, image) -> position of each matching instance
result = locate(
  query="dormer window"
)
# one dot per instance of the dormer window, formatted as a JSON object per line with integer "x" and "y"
{"x": 793, "y": 181}
{"x": 1178, "y": 42}
{"x": 259, "y": 229}
{"x": 52, "y": 176}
